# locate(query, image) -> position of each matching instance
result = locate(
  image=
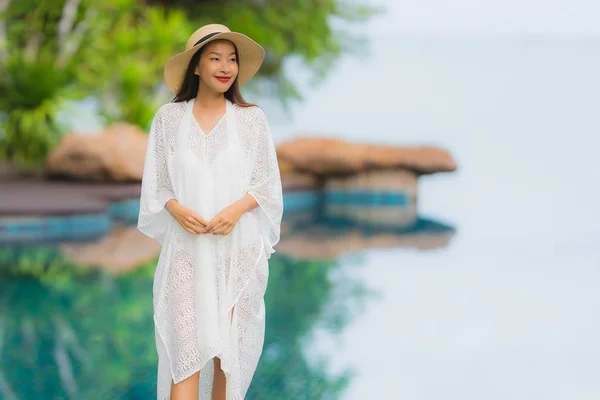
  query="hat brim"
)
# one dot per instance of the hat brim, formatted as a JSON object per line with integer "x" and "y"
{"x": 250, "y": 57}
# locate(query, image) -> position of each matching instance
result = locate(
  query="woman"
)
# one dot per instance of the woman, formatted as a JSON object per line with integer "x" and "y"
{"x": 211, "y": 195}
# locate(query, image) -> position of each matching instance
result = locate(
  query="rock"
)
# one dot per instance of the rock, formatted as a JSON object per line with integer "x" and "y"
{"x": 334, "y": 156}
{"x": 122, "y": 250}
{"x": 422, "y": 159}
{"x": 117, "y": 154}
{"x": 300, "y": 181}
{"x": 321, "y": 156}
{"x": 285, "y": 167}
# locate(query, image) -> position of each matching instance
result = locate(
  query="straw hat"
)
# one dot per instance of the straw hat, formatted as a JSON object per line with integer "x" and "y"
{"x": 250, "y": 54}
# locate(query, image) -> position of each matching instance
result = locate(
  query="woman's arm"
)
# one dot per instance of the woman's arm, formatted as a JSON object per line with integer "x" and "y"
{"x": 265, "y": 184}
{"x": 156, "y": 188}
{"x": 246, "y": 203}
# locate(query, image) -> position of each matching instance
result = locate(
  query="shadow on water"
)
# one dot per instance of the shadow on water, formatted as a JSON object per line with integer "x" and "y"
{"x": 74, "y": 326}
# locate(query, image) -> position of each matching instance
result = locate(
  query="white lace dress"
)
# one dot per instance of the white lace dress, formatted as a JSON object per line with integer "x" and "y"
{"x": 209, "y": 289}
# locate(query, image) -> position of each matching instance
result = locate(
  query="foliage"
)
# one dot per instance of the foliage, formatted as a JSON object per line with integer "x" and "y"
{"x": 137, "y": 41}
{"x": 113, "y": 52}
{"x": 140, "y": 36}
{"x": 301, "y": 30}
{"x": 38, "y": 64}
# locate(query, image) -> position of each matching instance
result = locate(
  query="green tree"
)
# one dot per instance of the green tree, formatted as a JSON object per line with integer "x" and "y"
{"x": 39, "y": 48}
{"x": 113, "y": 52}
{"x": 313, "y": 31}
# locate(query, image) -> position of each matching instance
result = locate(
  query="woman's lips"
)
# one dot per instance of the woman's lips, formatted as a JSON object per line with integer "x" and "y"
{"x": 223, "y": 78}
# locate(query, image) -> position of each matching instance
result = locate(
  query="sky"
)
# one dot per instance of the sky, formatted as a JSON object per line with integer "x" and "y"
{"x": 489, "y": 17}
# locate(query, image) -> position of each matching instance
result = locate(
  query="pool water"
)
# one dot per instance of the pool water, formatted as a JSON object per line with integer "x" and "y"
{"x": 73, "y": 331}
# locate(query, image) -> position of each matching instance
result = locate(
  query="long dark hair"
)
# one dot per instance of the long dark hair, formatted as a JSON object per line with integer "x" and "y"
{"x": 189, "y": 88}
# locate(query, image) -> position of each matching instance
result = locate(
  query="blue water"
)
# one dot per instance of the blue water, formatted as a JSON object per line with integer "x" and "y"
{"x": 508, "y": 309}
{"x": 85, "y": 331}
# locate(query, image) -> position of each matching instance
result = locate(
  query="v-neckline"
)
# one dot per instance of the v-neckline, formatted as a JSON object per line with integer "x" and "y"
{"x": 214, "y": 127}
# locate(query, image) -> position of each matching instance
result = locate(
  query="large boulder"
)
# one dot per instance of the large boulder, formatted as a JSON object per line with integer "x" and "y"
{"x": 321, "y": 156}
{"x": 325, "y": 156}
{"x": 117, "y": 154}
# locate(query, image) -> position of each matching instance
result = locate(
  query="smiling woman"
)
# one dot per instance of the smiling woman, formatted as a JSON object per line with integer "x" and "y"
{"x": 214, "y": 66}
{"x": 216, "y": 238}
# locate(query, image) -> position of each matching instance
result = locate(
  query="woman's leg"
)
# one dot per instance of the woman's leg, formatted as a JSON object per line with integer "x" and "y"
{"x": 186, "y": 389}
{"x": 219, "y": 388}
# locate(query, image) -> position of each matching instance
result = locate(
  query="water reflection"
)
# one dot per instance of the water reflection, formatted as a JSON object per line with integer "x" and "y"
{"x": 76, "y": 317}
{"x": 331, "y": 230}
{"x": 69, "y": 331}
{"x": 302, "y": 297}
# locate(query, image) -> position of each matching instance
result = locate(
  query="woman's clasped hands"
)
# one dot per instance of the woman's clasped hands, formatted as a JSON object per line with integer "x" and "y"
{"x": 192, "y": 222}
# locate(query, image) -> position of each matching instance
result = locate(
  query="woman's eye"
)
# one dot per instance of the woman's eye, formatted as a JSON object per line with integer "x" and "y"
{"x": 214, "y": 58}
{"x": 232, "y": 59}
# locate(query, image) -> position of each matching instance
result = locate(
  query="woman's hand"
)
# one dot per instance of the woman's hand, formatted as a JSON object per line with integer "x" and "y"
{"x": 189, "y": 219}
{"x": 224, "y": 222}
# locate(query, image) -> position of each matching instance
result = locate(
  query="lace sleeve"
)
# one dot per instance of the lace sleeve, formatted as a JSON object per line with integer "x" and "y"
{"x": 265, "y": 185}
{"x": 156, "y": 185}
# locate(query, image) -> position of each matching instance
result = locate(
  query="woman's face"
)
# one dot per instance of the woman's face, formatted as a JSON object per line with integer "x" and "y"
{"x": 218, "y": 66}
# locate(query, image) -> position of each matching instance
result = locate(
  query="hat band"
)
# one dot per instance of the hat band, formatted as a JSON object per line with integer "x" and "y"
{"x": 206, "y": 38}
